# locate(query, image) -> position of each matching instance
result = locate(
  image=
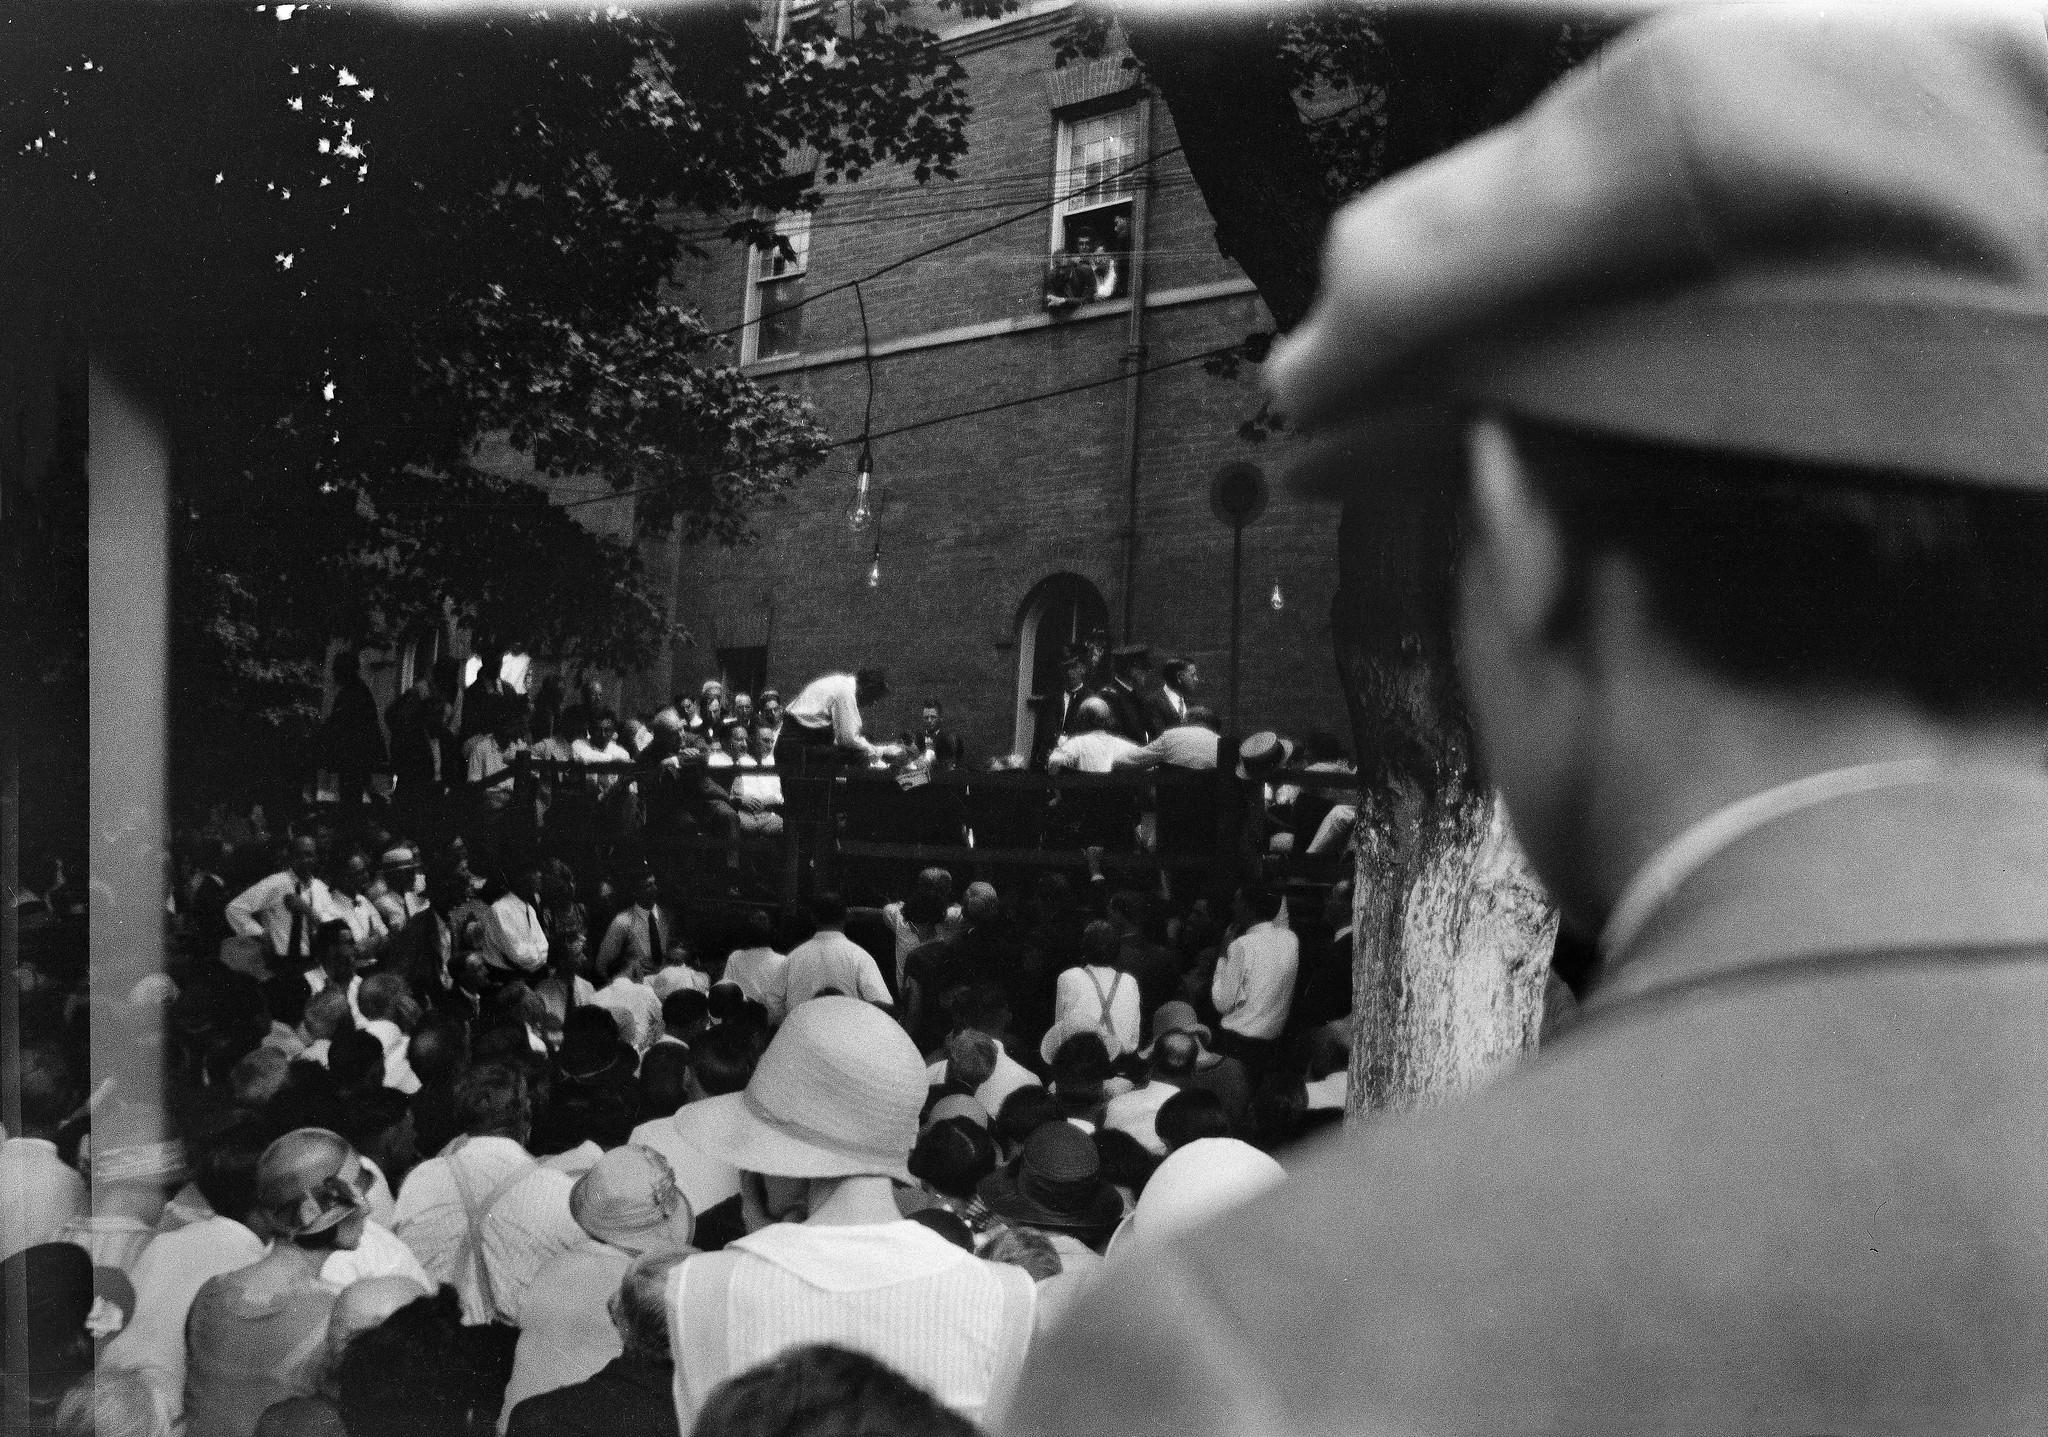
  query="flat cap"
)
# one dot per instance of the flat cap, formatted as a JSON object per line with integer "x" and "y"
{"x": 1814, "y": 234}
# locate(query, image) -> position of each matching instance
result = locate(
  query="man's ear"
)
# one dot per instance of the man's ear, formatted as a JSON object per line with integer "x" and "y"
{"x": 1515, "y": 533}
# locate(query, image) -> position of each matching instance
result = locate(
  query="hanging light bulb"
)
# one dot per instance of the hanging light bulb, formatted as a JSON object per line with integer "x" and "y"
{"x": 875, "y": 570}
{"x": 1279, "y": 600}
{"x": 860, "y": 514}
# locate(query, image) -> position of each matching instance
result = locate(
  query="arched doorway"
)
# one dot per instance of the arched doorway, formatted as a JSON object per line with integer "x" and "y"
{"x": 1060, "y": 610}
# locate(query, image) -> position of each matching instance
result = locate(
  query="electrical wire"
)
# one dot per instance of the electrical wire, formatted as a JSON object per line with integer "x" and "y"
{"x": 911, "y": 427}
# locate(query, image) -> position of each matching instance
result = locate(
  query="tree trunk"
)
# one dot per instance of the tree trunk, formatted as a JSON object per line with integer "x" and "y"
{"x": 1452, "y": 933}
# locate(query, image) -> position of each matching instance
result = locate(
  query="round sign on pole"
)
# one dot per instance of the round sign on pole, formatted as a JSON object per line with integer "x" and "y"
{"x": 1237, "y": 494}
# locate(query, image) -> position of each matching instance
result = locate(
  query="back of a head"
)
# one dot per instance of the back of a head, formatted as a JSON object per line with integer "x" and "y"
{"x": 1176, "y": 1055}
{"x": 825, "y": 1391}
{"x": 1262, "y": 898}
{"x": 225, "y": 1170}
{"x": 384, "y": 996}
{"x": 970, "y": 1058}
{"x": 327, "y": 1013}
{"x": 726, "y": 1002}
{"x": 683, "y": 1010}
{"x": 1190, "y": 1114}
{"x": 491, "y": 1101}
{"x": 981, "y": 905}
{"x": 260, "y": 1076}
{"x": 953, "y": 1157}
{"x": 437, "y": 1051}
{"x": 356, "y": 1059}
{"x": 1202, "y": 716}
{"x": 1099, "y": 944}
{"x": 642, "y": 1312}
{"x": 828, "y": 910}
{"x": 1096, "y": 713}
{"x": 663, "y": 1082}
{"x": 1024, "y": 1112}
{"x": 49, "y": 1088}
{"x": 411, "y": 1375}
{"x": 723, "y": 1058}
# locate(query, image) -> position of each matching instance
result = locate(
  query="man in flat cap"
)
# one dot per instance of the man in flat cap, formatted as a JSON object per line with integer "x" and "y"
{"x": 1738, "y": 345}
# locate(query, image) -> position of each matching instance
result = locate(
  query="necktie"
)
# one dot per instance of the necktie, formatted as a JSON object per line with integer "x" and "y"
{"x": 654, "y": 937}
{"x": 295, "y": 946}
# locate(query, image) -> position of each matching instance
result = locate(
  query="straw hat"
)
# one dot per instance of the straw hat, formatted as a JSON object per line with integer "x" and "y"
{"x": 629, "y": 1198}
{"x": 1264, "y": 753}
{"x": 837, "y": 1094}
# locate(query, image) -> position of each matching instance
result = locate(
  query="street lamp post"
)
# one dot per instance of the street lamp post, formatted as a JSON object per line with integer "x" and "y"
{"x": 1237, "y": 496}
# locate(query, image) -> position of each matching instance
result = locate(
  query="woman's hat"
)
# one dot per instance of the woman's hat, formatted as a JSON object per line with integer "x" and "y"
{"x": 1194, "y": 1184}
{"x": 1263, "y": 753}
{"x": 1056, "y": 1183}
{"x": 837, "y": 1094}
{"x": 309, "y": 1181}
{"x": 629, "y": 1198}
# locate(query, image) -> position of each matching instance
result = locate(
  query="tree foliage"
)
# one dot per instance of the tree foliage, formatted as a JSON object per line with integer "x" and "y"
{"x": 342, "y": 249}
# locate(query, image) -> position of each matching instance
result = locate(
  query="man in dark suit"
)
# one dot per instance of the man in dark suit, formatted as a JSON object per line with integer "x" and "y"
{"x": 1753, "y": 637}
{"x": 1125, "y": 692}
{"x": 1167, "y": 706}
{"x": 1062, "y": 711}
{"x": 946, "y": 748}
{"x": 633, "y": 1394}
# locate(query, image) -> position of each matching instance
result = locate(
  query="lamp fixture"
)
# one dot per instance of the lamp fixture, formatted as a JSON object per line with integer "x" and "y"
{"x": 1279, "y": 600}
{"x": 860, "y": 513}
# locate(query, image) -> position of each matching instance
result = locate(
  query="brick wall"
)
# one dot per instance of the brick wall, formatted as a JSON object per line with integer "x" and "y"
{"x": 975, "y": 513}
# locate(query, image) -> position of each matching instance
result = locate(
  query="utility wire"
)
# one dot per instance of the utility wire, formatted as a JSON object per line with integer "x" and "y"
{"x": 911, "y": 427}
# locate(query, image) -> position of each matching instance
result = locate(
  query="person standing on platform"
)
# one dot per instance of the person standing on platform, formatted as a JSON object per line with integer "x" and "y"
{"x": 821, "y": 733}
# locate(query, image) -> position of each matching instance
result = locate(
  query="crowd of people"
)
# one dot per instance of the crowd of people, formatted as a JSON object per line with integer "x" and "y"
{"x": 411, "y": 1142}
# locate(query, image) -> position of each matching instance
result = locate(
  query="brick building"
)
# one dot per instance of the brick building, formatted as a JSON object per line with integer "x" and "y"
{"x": 1003, "y": 534}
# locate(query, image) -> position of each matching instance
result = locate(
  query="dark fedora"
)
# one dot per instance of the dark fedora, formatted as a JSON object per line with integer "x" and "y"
{"x": 1056, "y": 1183}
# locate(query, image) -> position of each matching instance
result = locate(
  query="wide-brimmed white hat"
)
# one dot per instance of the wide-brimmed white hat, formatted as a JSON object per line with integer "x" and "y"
{"x": 1195, "y": 1183}
{"x": 837, "y": 1094}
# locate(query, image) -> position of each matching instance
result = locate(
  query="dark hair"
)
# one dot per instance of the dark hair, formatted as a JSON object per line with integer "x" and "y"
{"x": 1789, "y": 575}
{"x": 1023, "y": 1113}
{"x": 662, "y": 1086}
{"x": 412, "y": 1375}
{"x": 1204, "y": 717}
{"x": 438, "y": 1050}
{"x": 329, "y": 934}
{"x": 1262, "y": 898}
{"x": 726, "y": 1002}
{"x": 874, "y": 682}
{"x": 491, "y": 1099}
{"x": 820, "y": 1390}
{"x": 1174, "y": 671}
{"x": 828, "y": 910}
{"x": 225, "y": 1172}
{"x": 355, "y": 1059}
{"x": 683, "y": 1010}
{"x": 1175, "y": 1053}
{"x": 49, "y": 1088}
{"x": 953, "y": 1157}
{"x": 932, "y": 704}
{"x": 723, "y": 1058}
{"x": 1189, "y": 1114}
{"x": 1124, "y": 1159}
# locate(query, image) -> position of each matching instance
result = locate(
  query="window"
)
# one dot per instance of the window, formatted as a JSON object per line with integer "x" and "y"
{"x": 775, "y": 290}
{"x": 1094, "y": 189}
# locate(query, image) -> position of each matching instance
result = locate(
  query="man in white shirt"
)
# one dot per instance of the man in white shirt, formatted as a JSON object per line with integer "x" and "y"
{"x": 399, "y": 890}
{"x": 1096, "y": 748}
{"x": 643, "y": 933}
{"x": 286, "y": 908}
{"x": 1254, "y": 985}
{"x": 487, "y": 759}
{"x": 513, "y": 936}
{"x": 829, "y": 959}
{"x": 485, "y": 1216}
{"x": 827, "y": 712}
{"x": 601, "y": 747}
{"x": 1191, "y": 744}
{"x": 354, "y": 907}
{"x": 761, "y": 973}
{"x": 636, "y": 1006}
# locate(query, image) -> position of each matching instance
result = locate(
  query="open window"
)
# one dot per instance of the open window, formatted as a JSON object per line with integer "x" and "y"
{"x": 1095, "y": 190}
{"x": 776, "y": 273}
